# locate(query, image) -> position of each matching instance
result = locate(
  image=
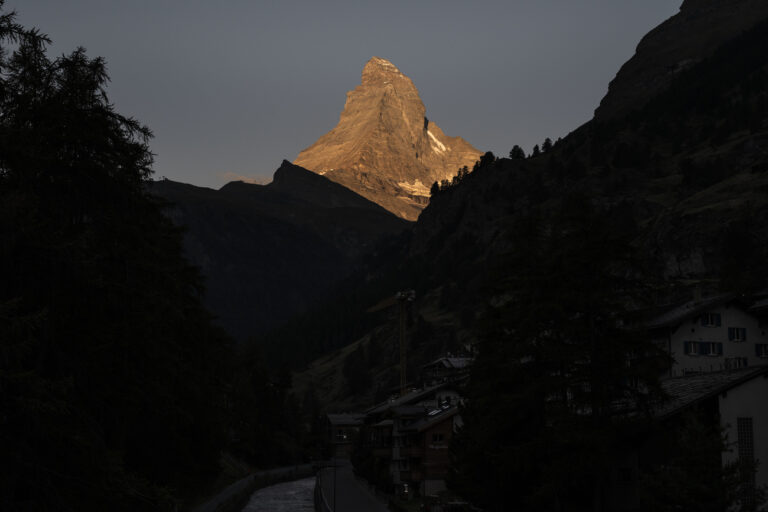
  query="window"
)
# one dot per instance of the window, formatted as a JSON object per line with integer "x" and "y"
{"x": 713, "y": 349}
{"x": 710, "y": 320}
{"x": 703, "y": 348}
{"x": 737, "y": 334}
{"x": 438, "y": 438}
{"x": 761, "y": 350}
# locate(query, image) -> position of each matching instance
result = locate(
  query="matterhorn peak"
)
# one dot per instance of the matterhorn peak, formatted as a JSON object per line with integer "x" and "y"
{"x": 384, "y": 148}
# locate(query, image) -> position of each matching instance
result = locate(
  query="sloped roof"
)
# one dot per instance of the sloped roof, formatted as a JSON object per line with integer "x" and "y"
{"x": 690, "y": 309}
{"x": 691, "y": 389}
{"x": 451, "y": 362}
{"x": 406, "y": 399}
{"x": 432, "y": 418}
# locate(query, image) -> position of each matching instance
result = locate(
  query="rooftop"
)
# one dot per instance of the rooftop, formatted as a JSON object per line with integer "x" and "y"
{"x": 691, "y": 389}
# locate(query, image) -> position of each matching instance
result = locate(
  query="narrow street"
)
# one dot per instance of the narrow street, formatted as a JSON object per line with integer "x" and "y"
{"x": 352, "y": 495}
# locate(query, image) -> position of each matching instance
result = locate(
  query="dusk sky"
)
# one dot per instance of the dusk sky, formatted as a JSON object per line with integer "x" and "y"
{"x": 232, "y": 88}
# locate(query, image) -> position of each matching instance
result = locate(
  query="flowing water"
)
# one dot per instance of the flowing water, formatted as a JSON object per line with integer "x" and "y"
{"x": 293, "y": 496}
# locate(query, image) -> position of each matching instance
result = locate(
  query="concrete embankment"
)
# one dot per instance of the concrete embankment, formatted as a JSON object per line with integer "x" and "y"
{"x": 234, "y": 497}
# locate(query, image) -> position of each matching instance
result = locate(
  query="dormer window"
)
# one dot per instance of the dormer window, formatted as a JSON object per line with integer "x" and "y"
{"x": 710, "y": 320}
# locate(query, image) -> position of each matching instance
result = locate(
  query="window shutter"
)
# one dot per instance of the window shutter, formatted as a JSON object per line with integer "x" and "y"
{"x": 717, "y": 319}
{"x": 719, "y": 349}
{"x": 687, "y": 347}
{"x": 703, "y": 320}
{"x": 744, "y": 334}
{"x": 757, "y": 351}
{"x": 731, "y": 333}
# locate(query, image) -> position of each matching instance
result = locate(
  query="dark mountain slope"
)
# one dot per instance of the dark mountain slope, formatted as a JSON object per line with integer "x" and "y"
{"x": 676, "y": 45}
{"x": 689, "y": 166}
{"x": 269, "y": 251}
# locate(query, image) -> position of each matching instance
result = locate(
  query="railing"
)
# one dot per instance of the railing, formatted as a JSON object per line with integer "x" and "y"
{"x": 321, "y": 503}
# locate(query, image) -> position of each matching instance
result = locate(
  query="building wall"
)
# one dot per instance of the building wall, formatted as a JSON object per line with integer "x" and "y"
{"x": 733, "y": 351}
{"x": 749, "y": 400}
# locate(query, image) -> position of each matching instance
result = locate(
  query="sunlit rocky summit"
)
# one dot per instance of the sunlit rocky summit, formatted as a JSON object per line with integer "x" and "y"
{"x": 384, "y": 147}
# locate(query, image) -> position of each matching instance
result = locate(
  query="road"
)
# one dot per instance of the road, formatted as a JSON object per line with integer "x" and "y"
{"x": 351, "y": 494}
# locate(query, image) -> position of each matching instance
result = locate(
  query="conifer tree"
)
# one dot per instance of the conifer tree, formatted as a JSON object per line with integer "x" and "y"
{"x": 111, "y": 374}
{"x": 517, "y": 153}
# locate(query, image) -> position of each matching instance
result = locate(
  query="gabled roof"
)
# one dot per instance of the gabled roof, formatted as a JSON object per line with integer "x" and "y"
{"x": 691, "y": 309}
{"x": 691, "y": 389}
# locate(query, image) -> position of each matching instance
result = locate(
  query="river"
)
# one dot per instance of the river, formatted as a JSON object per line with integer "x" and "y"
{"x": 293, "y": 496}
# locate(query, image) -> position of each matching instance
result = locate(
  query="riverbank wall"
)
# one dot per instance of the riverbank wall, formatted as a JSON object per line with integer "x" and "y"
{"x": 234, "y": 497}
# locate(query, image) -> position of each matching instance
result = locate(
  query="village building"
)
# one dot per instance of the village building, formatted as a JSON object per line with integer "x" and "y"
{"x": 343, "y": 430}
{"x": 445, "y": 369}
{"x": 732, "y": 400}
{"x": 718, "y": 333}
{"x": 394, "y": 434}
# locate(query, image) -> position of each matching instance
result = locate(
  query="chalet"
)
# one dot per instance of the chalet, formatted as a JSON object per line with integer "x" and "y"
{"x": 718, "y": 333}
{"x": 424, "y": 456}
{"x": 731, "y": 400}
{"x": 445, "y": 369}
{"x": 394, "y": 433}
{"x": 738, "y": 399}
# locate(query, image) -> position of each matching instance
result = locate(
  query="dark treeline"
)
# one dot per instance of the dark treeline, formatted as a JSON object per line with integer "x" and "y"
{"x": 116, "y": 390}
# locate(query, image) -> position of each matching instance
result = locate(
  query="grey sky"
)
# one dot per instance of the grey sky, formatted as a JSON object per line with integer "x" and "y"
{"x": 237, "y": 86}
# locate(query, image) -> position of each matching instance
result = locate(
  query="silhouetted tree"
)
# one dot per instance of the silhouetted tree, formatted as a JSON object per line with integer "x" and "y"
{"x": 536, "y": 151}
{"x": 112, "y": 377}
{"x": 547, "y": 145}
{"x": 555, "y": 380}
{"x": 517, "y": 153}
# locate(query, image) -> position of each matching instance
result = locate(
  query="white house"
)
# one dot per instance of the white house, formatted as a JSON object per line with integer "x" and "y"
{"x": 740, "y": 399}
{"x": 718, "y": 333}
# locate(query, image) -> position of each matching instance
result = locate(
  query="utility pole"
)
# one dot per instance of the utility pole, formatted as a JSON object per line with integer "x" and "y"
{"x": 403, "y": 299}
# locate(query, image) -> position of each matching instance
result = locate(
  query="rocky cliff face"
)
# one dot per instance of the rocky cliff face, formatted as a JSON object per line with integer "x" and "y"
{"x": 676, "y": 45}
{"x": 384, "y": 148}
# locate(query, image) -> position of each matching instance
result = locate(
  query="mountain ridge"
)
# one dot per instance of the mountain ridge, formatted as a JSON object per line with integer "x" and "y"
{"x": 384, "y": 147}
{"x": 268, "y": 252}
